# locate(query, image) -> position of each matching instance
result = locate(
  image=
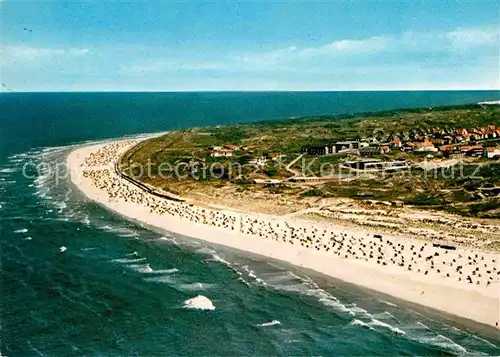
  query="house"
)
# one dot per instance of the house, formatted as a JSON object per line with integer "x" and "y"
{"x": 491, "y": 134}
{"x": 453, "y": 153}
{"x": 492, "y": 152}
{"x": 468, "y": 148}
{"x": 315, "y": 150}
{"x": 305, "y": 179}
{"x": 376, "y": 164}
{"x": 476, "y": 152}
{"x": 251, "y": 160}
{"x": 369, "y": 151}
{"x": 374, "y": 150}
{"x": 447, "y": 139}
{"x": 266, "y": 181}
{"x": 344, "y": 145}
{"x": 384, "y": 149}
{"x": 332, "y": 148}
{"x": 396, "y": 143}
{"x": 231, "y": 147}
{"x": 437, "y": 141}
{"x": 425, "y": 146}
{"x": 476, "y": 136}
{"x": 407, "y": 147}
{"x": 274, "y": 156}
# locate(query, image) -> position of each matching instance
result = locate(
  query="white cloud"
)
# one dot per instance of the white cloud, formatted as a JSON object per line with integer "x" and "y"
{"x": 336, "y": 49}
{"x": 343, "y": 54}
{"x": 27, "y": 53}
{"x": 464, "y": 38}
{"x": 461, "y": 58}
{"x": 165, "y": 65}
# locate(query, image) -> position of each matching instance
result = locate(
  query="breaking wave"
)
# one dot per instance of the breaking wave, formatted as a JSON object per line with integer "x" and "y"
{"x": 271, "y": 323}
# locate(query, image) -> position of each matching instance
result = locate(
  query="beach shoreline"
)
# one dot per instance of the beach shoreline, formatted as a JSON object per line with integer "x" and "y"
{"x": 475, "y": 302}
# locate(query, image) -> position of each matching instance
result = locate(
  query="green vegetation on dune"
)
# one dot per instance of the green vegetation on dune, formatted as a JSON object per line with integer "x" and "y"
{"x": 468, "y": 188}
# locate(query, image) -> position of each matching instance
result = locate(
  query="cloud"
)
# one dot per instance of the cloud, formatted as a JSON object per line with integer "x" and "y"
{"x": 165, "y": 65}
{"x": 436, "y": 49}
{"x": 460, "y": 58}
{"x": 334, "y": 50}
{"x": 464, "y": 38}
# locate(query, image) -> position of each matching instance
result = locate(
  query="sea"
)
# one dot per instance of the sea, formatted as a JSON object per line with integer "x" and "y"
{"x": 78, "y": 280}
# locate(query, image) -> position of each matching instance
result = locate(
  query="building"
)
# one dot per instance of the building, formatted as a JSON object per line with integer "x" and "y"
{"x": 345, "y": 145}
{"x": 384, "y": 149}
{"x": 221, "y": 153}
{"x": 396, "y": 143}
{"x": 274, "y": 156}
{"x": 425, "y": 146}
{"x": 315, "y": 150}
{"x": 251, "y": 160}
{"x": 267, "y": 181}
{"x": 453, "y": 153}
{"x": 492, "y": 152}
{"x": 376, "y": 165}
{"x": 305, "y": 179}
{"x": 333, "y": 148}
{"x": 374, "y": 150}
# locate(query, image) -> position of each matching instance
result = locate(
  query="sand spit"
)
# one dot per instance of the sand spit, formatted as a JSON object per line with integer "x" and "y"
{"x": 461, "y": 282}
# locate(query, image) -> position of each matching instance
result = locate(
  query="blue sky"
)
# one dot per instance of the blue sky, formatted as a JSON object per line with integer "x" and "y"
{"x": 292, "y": 45}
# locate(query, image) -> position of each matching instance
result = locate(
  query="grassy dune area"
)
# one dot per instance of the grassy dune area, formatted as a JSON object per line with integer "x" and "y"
{"x": 223, "y": 164}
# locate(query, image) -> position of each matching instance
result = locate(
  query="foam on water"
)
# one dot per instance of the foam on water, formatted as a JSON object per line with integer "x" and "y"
{"x": 162, "y": 279}
{"x": 23, "y": 230}
{"x": 219, "y": 259}
{"x": 385, "y": 316}
{"x": 358, "y": 311}
{"x": 195, "y": 286}
{"x": 165, "y": 271}
{"x": 169, "y": 239}
{"x": 8, "y": 170}
{"x": 199, "y": 302}
{"x": 244, "y": 281}
{"x": 129, "y": 260}
{"x": 141, "y": 268}
{"x": 357, "y": 322}
{"x": 423, "y": 334}
{"x": 388, "y": 303}
{"x": 378, "y": 323}
{"x": 270, "y": 323}
{"x": 205, "y": 250}
{"x": 444, "y": 342}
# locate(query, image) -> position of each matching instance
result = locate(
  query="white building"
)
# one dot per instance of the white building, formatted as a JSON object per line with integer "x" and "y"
{"x": 492, "y": 152}
{"x": 221, "y": 153}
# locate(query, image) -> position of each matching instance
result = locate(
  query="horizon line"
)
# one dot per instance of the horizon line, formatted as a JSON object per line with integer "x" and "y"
{"x": 257, "y": 91}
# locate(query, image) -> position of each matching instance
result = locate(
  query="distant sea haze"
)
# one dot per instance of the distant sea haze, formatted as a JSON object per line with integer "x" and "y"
{"x": 79, "y": 280}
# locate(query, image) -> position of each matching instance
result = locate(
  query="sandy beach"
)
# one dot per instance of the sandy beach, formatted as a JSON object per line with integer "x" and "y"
{"x": 460, "y": 282}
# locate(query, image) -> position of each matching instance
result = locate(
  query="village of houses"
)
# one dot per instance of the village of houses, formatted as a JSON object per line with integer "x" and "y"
{"x": 433, "y": 145}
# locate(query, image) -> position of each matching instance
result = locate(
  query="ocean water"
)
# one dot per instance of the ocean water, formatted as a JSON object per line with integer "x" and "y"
{"x": 77, "y": 280}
